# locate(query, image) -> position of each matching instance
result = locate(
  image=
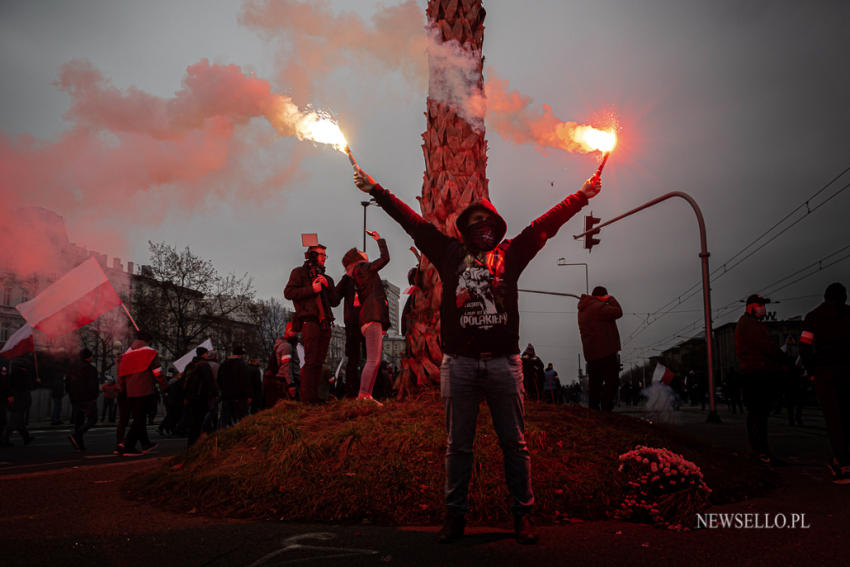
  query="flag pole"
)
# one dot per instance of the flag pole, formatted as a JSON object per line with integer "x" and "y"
{"x": 130, "y": 316}
{"x": 35, "y": 360}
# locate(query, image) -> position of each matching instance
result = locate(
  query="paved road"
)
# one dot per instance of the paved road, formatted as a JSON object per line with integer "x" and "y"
{"x": 80, "y": 516}
{"x": 51, "y": 449}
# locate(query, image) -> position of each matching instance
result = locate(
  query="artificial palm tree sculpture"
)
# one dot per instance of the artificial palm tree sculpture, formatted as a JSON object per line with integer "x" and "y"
{"x": 455, "y": 175}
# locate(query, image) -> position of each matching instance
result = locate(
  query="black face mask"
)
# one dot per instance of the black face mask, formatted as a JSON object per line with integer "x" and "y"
{"x": 482, "y": 235}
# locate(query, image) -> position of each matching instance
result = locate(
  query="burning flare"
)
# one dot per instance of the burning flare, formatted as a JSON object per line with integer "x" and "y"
{"x": 314, "y": 125}
{"x": 594, "y": 139}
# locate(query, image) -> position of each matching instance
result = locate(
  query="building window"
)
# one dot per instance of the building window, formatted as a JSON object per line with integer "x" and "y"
{"x": 7, "y": 296}
{"x": 4, "y": 334}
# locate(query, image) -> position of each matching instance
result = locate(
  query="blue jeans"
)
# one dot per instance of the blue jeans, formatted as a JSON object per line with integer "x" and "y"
{"x": 464, "y": 382}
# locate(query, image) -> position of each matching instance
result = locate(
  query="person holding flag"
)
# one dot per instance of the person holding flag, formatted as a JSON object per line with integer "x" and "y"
{"x": 138, "y": 369}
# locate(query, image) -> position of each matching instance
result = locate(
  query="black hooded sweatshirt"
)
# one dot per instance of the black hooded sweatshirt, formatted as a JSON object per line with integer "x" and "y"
{"x": 479, "y": 314}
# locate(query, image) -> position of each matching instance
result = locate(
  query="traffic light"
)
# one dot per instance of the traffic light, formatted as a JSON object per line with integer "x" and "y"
{"x": 589, "y": 221}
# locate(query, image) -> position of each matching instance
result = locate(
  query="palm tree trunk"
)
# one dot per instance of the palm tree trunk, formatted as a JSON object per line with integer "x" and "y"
{"x": 455, "y": 175}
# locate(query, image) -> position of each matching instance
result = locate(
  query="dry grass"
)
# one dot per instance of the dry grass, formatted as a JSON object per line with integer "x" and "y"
{"x": 351, "y": 461}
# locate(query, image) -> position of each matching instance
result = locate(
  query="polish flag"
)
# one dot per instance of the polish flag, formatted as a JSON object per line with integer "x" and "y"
{"x": 136, "y": 360}
{"x": 181, "y": 363}
{"x": 662, "y": 374}
{"x": 19, "y": 343}
{"x": 74, "y": 300}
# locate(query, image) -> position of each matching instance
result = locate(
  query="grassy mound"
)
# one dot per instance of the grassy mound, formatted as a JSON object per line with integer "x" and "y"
{"x": 350, "y": 461}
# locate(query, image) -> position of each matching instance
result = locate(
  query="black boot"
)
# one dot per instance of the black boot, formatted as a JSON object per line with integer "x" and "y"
{"x": 452, "y": 527}
{"x": 523, "y": 530}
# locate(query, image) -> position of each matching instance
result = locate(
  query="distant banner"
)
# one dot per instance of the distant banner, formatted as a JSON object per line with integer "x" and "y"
{"x": 181, "y": 363}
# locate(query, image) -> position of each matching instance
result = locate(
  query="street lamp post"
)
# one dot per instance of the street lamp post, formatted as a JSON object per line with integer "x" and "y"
{"x": 365, "y": 204}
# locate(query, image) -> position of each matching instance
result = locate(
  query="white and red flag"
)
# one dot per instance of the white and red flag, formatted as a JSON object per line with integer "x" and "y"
{"x": 136, "y": 360}
{"x": 74, "y": 300}
{"x": 21, "y": 342}
{"x": 662, "y": 374}
{"x": 181, "y": 363}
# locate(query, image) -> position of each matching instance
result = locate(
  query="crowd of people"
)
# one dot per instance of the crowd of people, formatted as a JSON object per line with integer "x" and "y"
{"x": 479, "y": 333}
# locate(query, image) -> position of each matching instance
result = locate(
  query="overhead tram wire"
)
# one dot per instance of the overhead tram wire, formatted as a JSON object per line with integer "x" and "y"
{"x": 725, "y": 268}
{"x": 768, "y": 289}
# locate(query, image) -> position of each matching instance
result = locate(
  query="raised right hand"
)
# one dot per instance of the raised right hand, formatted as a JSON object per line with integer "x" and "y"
{"x": 363, "y": 180}
{"x": 319, "y": 283}
{"x": 592, "y": 186}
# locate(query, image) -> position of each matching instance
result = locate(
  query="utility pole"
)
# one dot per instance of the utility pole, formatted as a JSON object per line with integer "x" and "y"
{"x": 706, "y": 290}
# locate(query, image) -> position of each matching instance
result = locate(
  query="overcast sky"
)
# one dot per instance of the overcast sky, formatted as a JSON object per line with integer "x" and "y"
{"x": 741, "y": 104}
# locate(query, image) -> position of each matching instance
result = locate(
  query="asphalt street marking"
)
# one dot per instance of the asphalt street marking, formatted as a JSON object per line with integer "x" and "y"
{"x": 292, "y": 544}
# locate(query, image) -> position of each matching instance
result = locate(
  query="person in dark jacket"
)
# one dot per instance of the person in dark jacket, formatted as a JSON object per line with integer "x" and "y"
{"x": 200, "y": 391}
{"x": 138, "y": 370}
{"x": 83, "y": 390}
{"x": 825, "y": 349}
{"x": 354, "y": 344}
{"x": 313, "y": 294}
{"x": 479, "y": 327}
{"x": 110, "y": 393}
{"x": 21, "y": 384}
{"x": 374, "y": 312}
{"x": 532, "y": 373}
{"x": 174, "y": 399}
{"x": 5, "y": 394}
{"x": 760, "y": 361}
{"x": 255, "y": 385}
{"x": 600, "y": 341}
{"x": 233, "y": 382}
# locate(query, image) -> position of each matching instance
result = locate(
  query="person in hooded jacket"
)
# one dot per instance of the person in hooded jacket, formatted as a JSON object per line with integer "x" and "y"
{"x": 600, "y": 341}
{"x": 825, "y": 349}
{"x": 374, "y": 312}
{"x": 532, "y": 373}
{"x": 479, "y": 328}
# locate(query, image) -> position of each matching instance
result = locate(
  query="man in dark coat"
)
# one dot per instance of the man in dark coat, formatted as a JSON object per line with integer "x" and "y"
{"x": 479, "y": 327}
{"x": 313, "y": 294}
{"x": 20, "y": 384}
{"x": 233, "y": 381}
{"x": 760, "y": 361}
{"x": 825, "y": 349}
{"x": 255, "y": 385}
{"x": 83, "y": 390}
{"x": 200, "y": 390}
{"x": 5, "y": 394}
{"x": 600, "y": 341}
